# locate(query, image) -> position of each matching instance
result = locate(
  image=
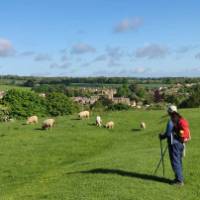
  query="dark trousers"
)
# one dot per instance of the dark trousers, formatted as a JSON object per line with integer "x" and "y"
{"x": 175, "y": 154}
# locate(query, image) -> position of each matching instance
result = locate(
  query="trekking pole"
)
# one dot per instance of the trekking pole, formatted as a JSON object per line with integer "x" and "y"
{"x": 162, "y": 157}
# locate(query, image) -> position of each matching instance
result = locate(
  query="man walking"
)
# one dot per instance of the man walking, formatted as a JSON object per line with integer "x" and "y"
{"x": 175, "y": 145}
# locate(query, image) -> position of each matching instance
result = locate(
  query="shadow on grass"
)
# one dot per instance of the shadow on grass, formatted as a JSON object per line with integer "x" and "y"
{"x": 126, "y": 173}
{"x": 75, "y": 119}
{"x": 92, "y": 124}
{"x": 136, "y": 129}
{"x": 39, "y": 129}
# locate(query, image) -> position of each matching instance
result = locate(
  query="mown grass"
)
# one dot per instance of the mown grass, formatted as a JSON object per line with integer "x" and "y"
{"x": 8, "y": 87}
{"x": 76, "y": 160}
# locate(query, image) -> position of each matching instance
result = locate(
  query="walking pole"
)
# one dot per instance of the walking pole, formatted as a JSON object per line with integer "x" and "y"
{"x": 162, "y": 157}
{"x": 158, "y": 165}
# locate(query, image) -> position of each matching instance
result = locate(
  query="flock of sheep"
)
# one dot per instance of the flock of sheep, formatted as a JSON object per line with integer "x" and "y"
{"x": 109, "y": 125}
{"x": 49, "y": 123}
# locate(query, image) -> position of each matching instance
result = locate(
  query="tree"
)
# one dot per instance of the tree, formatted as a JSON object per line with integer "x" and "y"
{"x": 123, "y": 91}
{"x": 158, "y": 96}
{"x": 59, "y": 104}
{"x": 29, "y": 83}
{"x": 193, "y": 101}
{"x": 24, "y": 103}
{"x": 138, "y": 90}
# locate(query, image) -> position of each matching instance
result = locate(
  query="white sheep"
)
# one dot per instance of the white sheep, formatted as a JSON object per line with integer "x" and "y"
{"x": 48, "y": 123}
{"x": 98, "y": 121}
{"x": 110, "y": 125}
{"x": 84, "y": 114}
{"x": 142, "y": 125}
{"x": 32, "y": 120}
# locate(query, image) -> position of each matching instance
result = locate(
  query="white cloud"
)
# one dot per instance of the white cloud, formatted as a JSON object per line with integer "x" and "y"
{"x": 85, "y": 64}
{"x": 41, "y": 74}
{"x": 6, "y": 48}
{"x": 42, "y": 57}
{"x": 151, "y": 51}
{"x": 114, "y": 55}
{"x": 82, "y": 48}
{"x": 27, "y": 53}
{"x": 100, "y": 58}
{"x": 60, "y": 66}
{"x": 141, "y": 70}
{"x": 128, "y": 24}
{"x": 197, "y": 56}
{"x": 138, "y": 71}
{"x": 111, "y": 57}
{"x": 64, "y": 58}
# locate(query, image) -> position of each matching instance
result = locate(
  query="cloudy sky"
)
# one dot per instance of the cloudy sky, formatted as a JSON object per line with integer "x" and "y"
{"x": 139, "y": 38}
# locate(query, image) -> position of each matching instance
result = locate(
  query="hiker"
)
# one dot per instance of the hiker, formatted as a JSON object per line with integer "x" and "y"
{"x": 175, "y": 145}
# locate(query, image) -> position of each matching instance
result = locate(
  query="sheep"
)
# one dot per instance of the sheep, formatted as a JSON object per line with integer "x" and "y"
{"x": 110, "y": 125}
{"x": 98, "y": 121}
{"x": 142, "y": 125}
{"x": 48, "y": 123}
{"x": 84, "y": 114}
{"x": 32, "y": 120}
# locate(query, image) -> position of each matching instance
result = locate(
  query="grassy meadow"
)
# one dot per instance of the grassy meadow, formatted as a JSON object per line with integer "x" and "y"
{"x": 78, "y": 161}
{"x": 8, "y": 87}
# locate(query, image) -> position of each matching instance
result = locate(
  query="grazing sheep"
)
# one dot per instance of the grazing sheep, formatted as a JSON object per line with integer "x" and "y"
{"x": 48, "y": 123}
{"x": 98, "y": 121}
{"x": 110, "y": 125}
{"x": 32, "y": 120}
{"x": 138, "y": 107}
{"x": 142, "y": 125}
{"x": 84, "y": 114}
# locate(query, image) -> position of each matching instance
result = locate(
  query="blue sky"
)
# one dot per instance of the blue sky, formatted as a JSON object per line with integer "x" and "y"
{"x": 139, "y": 38}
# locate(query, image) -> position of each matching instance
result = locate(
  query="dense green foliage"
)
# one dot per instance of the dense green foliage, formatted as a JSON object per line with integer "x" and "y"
{"x": 94, "y": 81}
{"x": 133, "y": 91}
{"x": 76, "y": 160}
{"x": 46, "y": 88}
{"x": 103, "y": 103}
{"x": 193, "y": 101}
{"x": 59, "y": 104}
{"x": 61, "y": 88}
{"x": 118, "y": 106}
{"x": 26, "y": 103}
{"x": 4, "y": 113}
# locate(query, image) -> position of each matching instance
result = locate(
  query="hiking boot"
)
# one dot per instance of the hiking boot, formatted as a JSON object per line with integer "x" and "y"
{"x": 178, "y": 183}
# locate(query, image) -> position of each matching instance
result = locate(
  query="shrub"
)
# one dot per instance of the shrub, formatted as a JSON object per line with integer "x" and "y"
{"x": 193, "y": 101}
{"x": 118, "y": 106}
{"x": 24, "y": 103}
{"x": 102, "y": 104}
{"x": 4, "y": 113}
{"x": 59, "y": 104}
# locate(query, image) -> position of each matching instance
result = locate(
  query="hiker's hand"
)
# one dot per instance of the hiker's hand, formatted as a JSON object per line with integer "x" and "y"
{"x": 161, "y": 136}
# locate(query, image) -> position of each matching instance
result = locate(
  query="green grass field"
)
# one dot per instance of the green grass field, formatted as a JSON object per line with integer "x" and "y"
{"x": 8, "y": 87}
{"x": 78, "y": 161}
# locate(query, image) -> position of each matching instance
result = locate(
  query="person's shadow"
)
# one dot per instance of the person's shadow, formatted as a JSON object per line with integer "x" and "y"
{"x": 125, "y": 173}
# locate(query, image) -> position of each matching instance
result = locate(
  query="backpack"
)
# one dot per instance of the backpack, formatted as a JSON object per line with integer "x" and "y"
{"x": 182, "y": 130}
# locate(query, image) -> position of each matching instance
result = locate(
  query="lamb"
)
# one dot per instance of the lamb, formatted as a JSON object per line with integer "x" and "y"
{"x": 84, "y": 114}
{"x": 110, "y": 125}
{"x": 48, "y": 123}
{"x": 32, "y": 120}
{"x": 98, "y": 121}
{"x": 142, "y": 125}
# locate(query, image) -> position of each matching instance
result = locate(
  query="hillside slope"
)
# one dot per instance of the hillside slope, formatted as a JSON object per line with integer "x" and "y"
{"x": 76, "y": 160}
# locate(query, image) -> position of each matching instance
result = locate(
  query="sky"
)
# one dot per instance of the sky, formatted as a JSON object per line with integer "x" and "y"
{"x": 82, "y": 38}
